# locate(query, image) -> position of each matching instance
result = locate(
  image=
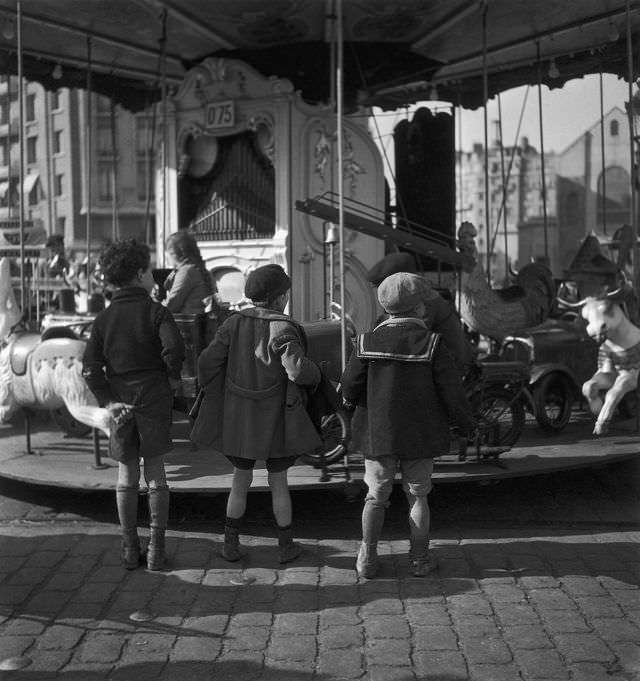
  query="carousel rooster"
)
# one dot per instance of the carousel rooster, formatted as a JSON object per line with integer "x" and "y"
{"x": 498, "y": 313}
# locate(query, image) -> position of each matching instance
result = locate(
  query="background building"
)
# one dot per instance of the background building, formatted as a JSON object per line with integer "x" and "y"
{"x": 114, "y": 194}
{"x": 588, "y": 190}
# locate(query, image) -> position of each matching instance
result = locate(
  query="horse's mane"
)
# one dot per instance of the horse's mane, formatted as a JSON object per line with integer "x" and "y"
{"x": 7, "y": 404}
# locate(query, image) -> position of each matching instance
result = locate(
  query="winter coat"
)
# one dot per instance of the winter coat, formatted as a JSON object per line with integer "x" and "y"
{"x": 186, "y": 288}
{"x": 251, "y": 375}
{"x": 406, "y": 378}
{"x": 134, "y": 348}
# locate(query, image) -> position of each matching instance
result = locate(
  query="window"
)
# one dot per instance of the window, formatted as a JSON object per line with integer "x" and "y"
{"x": 32, "y": 156}
{"x": 4, "y": 111}
{"x": 30, "y": 108}
{"x": 614, "y": 128}
{"x": 104, "y": 181}
{"x": 144, "y": 179}
{"x": 57, "y": 142}
{"x": 143, "y": 135}
{"x": 34, "y": 195}
{"x": 56, "y": 99}
{"x": 60, "y": 224}
{"x": 103, "y": 136}
{"x": 58, "y": 185}
{"x": 103, "y": 104}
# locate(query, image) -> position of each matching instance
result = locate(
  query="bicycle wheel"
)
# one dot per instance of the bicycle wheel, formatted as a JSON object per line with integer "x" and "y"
{"x": 335, "y": 434}
{"x": 500, "y": 416}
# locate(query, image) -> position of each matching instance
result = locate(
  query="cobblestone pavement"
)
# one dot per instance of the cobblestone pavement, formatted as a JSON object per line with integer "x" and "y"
{"x": 538, "y": 579}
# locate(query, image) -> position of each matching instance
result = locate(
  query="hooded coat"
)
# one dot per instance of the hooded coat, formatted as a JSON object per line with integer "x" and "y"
{"x": 251, "y": 375}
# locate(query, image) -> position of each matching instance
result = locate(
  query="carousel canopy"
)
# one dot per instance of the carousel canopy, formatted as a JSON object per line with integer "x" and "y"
{"x": 394, "y": 52}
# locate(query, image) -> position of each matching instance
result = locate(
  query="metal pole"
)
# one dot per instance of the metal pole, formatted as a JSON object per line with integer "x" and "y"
{"x": 339, "y": 109}
{"x": 89, "y": 165}
{"x": 114, "y": 175}
{"x": 634, "y": 170}
{"x": 485, "y": 97}
{"x": 543, "y": 175}
{"x": 603, "y": 194}
{"x": 504, "y": 192}
{"x": 163, "y": 57}
{"x": 23, "y": 292}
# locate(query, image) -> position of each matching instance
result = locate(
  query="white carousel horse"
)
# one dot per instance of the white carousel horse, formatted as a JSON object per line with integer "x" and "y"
{"x": 618, "y": 355}
{"x": 498, "y": 313}
{"x": 42, "y": 372}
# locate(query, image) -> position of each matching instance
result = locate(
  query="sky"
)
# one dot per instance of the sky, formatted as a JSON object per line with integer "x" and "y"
{"x": 566, "y": 113}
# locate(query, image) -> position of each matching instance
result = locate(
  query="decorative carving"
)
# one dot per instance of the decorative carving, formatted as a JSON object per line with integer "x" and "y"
{"x": 262, "y": 125}
{"x": 322, "y": 153}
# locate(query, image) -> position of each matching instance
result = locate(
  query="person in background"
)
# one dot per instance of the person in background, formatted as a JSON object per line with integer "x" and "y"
{"x": 132, "y": 365}
{"x": 189, "y": 287}
{"x": 407, "y": 380}
{"x": 253, "y": 375}
{"x": 439, "y": 315}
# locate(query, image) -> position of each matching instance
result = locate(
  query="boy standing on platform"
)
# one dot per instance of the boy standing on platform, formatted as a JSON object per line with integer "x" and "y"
{"x": 132, "y": 365}
{"x": 406, "y": 378}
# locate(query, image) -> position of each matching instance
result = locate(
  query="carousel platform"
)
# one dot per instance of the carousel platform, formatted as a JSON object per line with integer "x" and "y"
{"x": 61, "y": 461}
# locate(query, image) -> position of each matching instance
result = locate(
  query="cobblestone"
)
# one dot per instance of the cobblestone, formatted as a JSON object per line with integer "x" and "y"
{"x": 511, "y": 601}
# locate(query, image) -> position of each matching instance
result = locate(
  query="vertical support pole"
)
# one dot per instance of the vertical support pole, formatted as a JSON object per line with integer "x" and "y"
{"x": 504, "y": 193}
{"x": 89, "y": 142}
{"x": 339, "y": 133}
{"x": 23, "y": 291}
{"x": 485, "y": 98}
{"x": 163, "y": 61}
{"x": 542, "y": 168}
{"x": 603, "y": 194}
{"x": 635, "y": 163}
{"x": 114, "y": 175}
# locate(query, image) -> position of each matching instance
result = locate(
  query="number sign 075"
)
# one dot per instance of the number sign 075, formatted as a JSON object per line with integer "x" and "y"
{"x": 220, "y": 115}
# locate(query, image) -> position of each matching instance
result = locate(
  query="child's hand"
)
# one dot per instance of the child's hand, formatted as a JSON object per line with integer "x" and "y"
{"x": 120, "y": 412}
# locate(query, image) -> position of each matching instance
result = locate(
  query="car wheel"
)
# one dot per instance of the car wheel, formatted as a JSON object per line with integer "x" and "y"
{"x": 69, "y": 425}
{"x": 335, "y": 434}
{"x": 500, "y": 416}
{"x": 553, "y": 399}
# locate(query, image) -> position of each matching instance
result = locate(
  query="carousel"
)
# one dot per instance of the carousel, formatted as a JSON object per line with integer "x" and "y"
{"x": 265, "y": 154}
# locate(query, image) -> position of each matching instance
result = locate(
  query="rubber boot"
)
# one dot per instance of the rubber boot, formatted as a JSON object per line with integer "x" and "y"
{"x": 231, "y": 546}
{"x": 367, "y": 563}
{"x": 288, "y": 549}
{"x": 159, "y": 516}
{"x": 127, "y": 503}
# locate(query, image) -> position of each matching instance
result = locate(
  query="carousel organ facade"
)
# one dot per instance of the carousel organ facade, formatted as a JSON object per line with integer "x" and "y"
{"x": 242, "y": 148}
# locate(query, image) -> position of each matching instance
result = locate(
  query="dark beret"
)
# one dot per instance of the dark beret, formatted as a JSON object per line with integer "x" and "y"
{"x": 391, "y": 264}
{"x": 266, "y": 283}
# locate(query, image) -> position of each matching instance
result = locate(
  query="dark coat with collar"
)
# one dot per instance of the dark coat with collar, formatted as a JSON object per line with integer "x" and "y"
{"x": 407, "y": 379}
{"x": 250, "y": 375}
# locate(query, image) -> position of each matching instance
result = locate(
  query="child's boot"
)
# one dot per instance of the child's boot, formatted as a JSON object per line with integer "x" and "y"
{"x": 231, "y": 546}
{"x": 159, "y": 516}
{"x": 367, "y": 563}
{"x": 127, "y": 503}
{"x": 423, "y": 562}
{"x": 288, "y": 549}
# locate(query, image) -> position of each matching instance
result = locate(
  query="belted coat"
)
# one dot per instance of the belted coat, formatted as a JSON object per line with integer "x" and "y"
{"x": 251, "y": 375}
{"x": 407, "y": 379}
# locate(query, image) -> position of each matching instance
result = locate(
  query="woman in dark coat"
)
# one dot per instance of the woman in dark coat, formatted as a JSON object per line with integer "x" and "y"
{"x": 408, "y": 381}
{"x": 253, "y": 375}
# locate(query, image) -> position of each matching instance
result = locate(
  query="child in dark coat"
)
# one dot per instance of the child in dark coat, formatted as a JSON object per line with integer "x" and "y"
{"x": 408, "y": 381}
{"x": 132, "y": 365}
